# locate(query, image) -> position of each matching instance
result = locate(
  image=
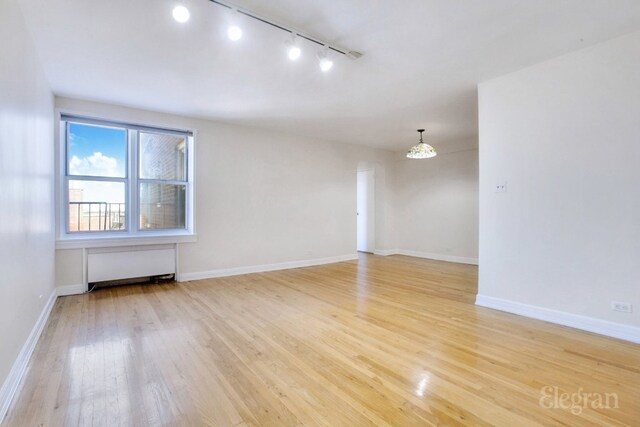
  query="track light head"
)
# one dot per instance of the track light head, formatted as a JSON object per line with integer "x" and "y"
{"x": 293, "y": 50}
{"x": 294, "y": 53}
{"x": 181, "y": 13}
{"x": 324, "y": 62}
{"x": 234, "y": 33}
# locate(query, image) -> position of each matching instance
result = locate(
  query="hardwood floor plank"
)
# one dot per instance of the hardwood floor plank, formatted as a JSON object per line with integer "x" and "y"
{"x": 384, "y": 341}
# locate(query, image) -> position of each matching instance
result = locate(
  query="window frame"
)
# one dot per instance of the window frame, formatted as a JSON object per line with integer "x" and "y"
{"x": 132, "y": 233}
{"x": 139, "y": 181}
{"x": 66, "y": 177}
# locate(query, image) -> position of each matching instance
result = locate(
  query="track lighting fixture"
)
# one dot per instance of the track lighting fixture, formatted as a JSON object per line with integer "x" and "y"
{"x": 293, "y": 50}
{"x": 181, "y": 13}
{"x": 325, "y": 63}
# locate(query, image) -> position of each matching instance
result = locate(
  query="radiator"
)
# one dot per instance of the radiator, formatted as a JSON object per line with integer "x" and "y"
{"x": 130, "y": 262}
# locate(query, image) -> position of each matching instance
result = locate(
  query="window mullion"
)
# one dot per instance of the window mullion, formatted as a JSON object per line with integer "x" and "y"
{"x": 132, "y": 186}
{"x": 162, "y": 181}
{"x": 95, "y": 178}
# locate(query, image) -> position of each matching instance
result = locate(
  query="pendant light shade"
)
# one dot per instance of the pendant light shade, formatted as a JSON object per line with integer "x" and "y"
{"x": 422, "y": 150}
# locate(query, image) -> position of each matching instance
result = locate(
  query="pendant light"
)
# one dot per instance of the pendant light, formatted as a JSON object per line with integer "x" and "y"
{"x": 422, "y": 150}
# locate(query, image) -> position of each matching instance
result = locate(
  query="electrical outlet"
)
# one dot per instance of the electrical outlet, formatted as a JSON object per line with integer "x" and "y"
{"x": 501, "y": 187}
{"x": 624, "y": 307}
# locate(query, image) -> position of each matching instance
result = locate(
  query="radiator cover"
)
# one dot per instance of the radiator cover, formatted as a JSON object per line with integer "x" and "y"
{"x": 130, "y": 262}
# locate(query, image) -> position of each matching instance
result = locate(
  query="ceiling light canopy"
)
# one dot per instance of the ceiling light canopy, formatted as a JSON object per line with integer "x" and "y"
{"x": 422, "y": 150}
{"x": 181, "y": 13}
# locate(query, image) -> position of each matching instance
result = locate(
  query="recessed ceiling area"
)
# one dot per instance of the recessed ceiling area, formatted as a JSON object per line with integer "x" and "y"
{"x": 420, "y": 66}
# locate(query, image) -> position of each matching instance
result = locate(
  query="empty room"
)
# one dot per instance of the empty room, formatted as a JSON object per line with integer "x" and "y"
{"x": 332, "y": 213}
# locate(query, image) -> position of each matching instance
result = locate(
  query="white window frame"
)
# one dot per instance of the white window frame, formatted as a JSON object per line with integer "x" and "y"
{"x": 132, "y": 235}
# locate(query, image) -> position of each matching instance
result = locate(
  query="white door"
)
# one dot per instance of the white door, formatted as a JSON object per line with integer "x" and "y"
{"x": 366, "y": 211}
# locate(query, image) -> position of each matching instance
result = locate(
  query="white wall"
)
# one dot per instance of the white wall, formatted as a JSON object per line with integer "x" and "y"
{"x": 565, "y": 134}
{"x": 437, "y": 203}
{"x": 26, "y": 187}
{"x": 261, "y": 197}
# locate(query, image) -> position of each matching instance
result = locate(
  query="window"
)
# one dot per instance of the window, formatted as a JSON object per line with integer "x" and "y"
{"x": 124, "y": 180}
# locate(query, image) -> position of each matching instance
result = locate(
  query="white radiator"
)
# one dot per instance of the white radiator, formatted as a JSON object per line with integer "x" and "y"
{"x": 130, "y": 262}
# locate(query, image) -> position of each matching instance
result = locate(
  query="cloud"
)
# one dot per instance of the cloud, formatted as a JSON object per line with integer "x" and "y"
{"x": 96, "y": 164}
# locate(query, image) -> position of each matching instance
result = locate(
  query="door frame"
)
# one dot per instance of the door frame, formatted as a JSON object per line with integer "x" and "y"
{"x": 370, "y": 243}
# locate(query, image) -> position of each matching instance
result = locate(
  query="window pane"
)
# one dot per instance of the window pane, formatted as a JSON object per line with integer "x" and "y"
{"x": 162, "y": 156}
{"x": 162, "y": 206}
{"x": 96, "y": 206}
{"x": 96, "y": 151}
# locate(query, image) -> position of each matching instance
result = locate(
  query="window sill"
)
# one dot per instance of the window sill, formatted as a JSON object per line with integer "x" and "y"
{"x": 82, "y": 242}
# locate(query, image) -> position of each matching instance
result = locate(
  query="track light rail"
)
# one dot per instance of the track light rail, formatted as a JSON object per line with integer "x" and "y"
{"x": 246, "y": 12}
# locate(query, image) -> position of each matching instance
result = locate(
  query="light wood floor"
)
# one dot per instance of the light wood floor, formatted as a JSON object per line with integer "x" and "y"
{"x": 383, "y": 341}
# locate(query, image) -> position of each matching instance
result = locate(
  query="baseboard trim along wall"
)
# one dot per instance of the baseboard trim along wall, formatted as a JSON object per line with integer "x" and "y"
{"x": 439, "y": 257}
{"x": 235, "y": 271}
{"x": 10, "y": 386}
{"x": 63, "y": 291}
{"x": 427, "y": 255}
{"x": 589, "y": 324}
{"x": 385, "y": 252}
{"x": 225, "y": 272}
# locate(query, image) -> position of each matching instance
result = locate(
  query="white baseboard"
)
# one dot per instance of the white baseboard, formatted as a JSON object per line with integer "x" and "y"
{"x": 590, "y": 324}
{"x": 19, "y": 367}
{"x": 224, "y": 272}
{"x": 439, "y": 257}
{"x": 385, "y": 252}
{"x": 63, "y": 291}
